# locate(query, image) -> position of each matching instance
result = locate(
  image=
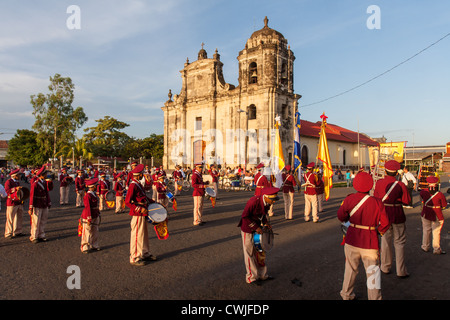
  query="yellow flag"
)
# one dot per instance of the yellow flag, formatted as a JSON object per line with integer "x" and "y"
{"x": 277, "y": 164}
{"x": 324, "y": 156}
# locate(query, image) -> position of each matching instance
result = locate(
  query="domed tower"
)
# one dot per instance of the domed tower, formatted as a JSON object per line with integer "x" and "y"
{"x": 266, "y": 61}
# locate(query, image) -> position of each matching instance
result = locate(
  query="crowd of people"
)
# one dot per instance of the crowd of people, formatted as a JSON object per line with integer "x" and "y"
{"x": 370, "y": 212}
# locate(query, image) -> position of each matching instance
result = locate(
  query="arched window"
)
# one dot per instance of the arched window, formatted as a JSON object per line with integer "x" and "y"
{"x": 251, "y": 112}
{"x": 253, "y": 73}
{"x": 305, "y": 156}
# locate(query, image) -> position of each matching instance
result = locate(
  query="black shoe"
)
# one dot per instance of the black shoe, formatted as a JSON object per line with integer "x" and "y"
{"x": 150, "y": 258}
{"x": 138, "y": 263}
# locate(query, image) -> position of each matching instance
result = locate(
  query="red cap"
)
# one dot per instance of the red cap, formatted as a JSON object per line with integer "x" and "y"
{"x": 138, "y": 169}
{"x": 92, "y": 182}
{"x": 270, "y": 191}
{"x": 311, "y": 165}
{"x": 42, "y": 170}
{"x": 363, "y": 182}
{"x": 392, "y": 166}
{"x": 287, "y": 168}
{"x": 16, "y": 171}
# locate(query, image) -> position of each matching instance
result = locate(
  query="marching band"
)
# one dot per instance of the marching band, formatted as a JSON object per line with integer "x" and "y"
{"x": 375, "y": 211}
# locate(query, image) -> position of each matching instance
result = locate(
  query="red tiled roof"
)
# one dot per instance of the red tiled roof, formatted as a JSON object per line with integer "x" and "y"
{"x": 335, "y": 133}
{"x": 3, "y": 144}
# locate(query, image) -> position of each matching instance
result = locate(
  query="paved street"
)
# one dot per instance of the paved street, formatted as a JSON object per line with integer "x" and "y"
{"x": 206, "y": 263}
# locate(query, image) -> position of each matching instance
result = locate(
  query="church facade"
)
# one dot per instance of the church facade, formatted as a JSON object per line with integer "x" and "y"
{"x": 214, "y": 122}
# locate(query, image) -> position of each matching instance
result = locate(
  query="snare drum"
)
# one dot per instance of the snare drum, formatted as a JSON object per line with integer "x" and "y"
{"x": 344, "y": 227}
{"x": 156, "y": 213}
{"x": 210, "y": 193}
{"x": 264, "y": 241}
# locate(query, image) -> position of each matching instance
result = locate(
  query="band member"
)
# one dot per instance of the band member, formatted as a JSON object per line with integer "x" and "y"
{"x": 433, "y": 202}
{"x": 199, "y": 191}
{"x": 40, "y": 203}
{"x": 261, "y": 181}
{"x": 90, "y": 218}
{"x": 64, "y": 186}
{"x": 130, "y": 175}
{"x": 288, "y": 192}
{"x": 161, "y": 189}
{"x": 394, "y": 195}
{"x": 367, "y": 217}
{"x": 178, "y": 177}
{"x": 14, "y": 207}
{"x": 80, "y": 187}
{"x": 138, "y": 202}
{"x": 253, "y": 219}
{"x": 215, "y": 179}
{"x": 320, "y": 192}
{"x": 119, "y": 188}
{"x": 155, "y": 176}
{"x": 102, "y": 189}
{"x": 311, "y": 183}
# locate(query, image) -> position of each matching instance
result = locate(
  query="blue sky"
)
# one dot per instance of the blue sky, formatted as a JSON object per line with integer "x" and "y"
{"x": 128, "y": 54}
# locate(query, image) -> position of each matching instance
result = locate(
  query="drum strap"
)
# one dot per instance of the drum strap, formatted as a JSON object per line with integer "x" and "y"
{"x": 389, "y": 191}
{"x": 360, "y": 203}
{"x": 430, "y": 199}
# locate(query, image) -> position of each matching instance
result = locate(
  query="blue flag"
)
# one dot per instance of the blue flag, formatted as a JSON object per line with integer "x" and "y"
{"x": 297, "y": 148}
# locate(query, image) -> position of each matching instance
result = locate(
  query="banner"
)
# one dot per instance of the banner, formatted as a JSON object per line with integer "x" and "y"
{"x": 297, "y": 148}
{"x": 277, "y": 163}
{"x": 324, "y": 156}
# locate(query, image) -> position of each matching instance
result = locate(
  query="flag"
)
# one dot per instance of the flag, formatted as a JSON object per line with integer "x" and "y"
{"x": 277, "y": 157}
{"x": 297, "y": 148}
{"x": 174, "y": 204}
{"x": 324, "y": 156}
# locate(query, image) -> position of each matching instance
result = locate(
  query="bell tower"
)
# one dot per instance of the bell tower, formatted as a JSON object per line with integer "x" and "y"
{"x": 266, "y": 61}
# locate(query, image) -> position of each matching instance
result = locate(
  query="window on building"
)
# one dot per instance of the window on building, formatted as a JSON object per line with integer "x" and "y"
{"x": 198, "y": 123}
{"x": 253, "y": 73}
{"x": 252, "y": 112}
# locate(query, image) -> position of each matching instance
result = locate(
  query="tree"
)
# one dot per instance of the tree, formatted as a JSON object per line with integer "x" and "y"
{"x": 24, "y": 149}
{"x": 106, "y": 139}
{"x": 152, "y": 146}
{"x": 56, "y": 119}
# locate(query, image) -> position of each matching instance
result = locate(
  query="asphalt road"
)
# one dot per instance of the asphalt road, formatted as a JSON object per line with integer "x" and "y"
{"x": 206, "y": 263}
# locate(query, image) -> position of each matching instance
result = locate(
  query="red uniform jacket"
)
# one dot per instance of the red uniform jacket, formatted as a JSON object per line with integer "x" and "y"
{"x": 371, "y": 214}
{"x": 79, "y": 184}
{"x": 198, "y": 184}
{"x": 311, "y": 178}
{"x": 399, "y": 196}
{"x": 39, "y": 194}
{"x": 254, "y": 214}
{"x": 261, "y": 182}
{"x": 10, "y": 188}
{"x": 119, "y": 187}
{"x": 103, "y": 187}
{"x": 289, "y": 182}
{"x": 136, "y": 199}
{"x": 64, "y": 179}
{"x": 177, "y": 175}
{"x": 215, "y": 175}
{"x": 90, "y": 210}
{"x": 433, "y": 209}
{"x": 161, "y": 190}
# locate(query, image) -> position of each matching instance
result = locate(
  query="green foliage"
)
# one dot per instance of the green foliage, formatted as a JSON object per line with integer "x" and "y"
{"x": 24, "y": 149}
{"x": 56, "y": 119}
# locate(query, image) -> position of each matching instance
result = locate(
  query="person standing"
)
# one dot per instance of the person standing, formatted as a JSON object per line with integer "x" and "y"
{"x": 215, "y": 179}
{"x": 177, "y": 177}
{"x": 394, "y": 195}
{"x": 138, "y": 202}
{"x": 64, "y": 187}
{"x": 410, "y": 182}
{"x": 39, "y": 206}
{"x": 311, "y": 183}
{"x": 288, "y": 192}
{"x": 90, "y": 218}
{"x": 161, "y": 189}
{"x": 80, "y": 187}
{"x": 198, "y": 194}
{"x": 119, "y": 188}
{"x": 368, "y": 218}
{"x": 14, "y": 207}
{"x": 102, "y": 189}
{"x": 254, "y": 219}
{"x": 433, "y": 202}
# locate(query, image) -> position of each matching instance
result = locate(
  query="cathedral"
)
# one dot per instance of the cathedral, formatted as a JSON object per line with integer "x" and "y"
{"x": 215, "y": 122}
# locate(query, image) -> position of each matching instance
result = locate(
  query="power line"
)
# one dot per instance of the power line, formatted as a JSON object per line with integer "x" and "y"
{"x": 378, "y": 76}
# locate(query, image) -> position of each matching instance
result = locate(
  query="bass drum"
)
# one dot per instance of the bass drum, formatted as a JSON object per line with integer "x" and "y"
{"x": 264, "y": 241}
{"x": 110, "y": 198}
{"x": 210, "y": 193}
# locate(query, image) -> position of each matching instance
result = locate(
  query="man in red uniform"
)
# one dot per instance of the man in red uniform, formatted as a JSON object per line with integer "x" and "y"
{"x": 161, "y": 189}
{"x": 90, "y": 218}
{"x": 394, "y": 195}
{"x": 288, "y": 192}
{"x": 260, "y": 180}
{"x": 178, "y": 177}
{"x": 130, "y": 175}
{"x": 254, "y": 219}
{"x": 119, "y": 188}
{"x": 64, "y": 187}
{"x": 367, "y": 218}
{"x": 198, "y": 194}
{"x": 80, "y": 187}
{"x": 215, "y": 179}
{"x": 102, "y": 189}
{"x": 138, "y": 202}
{"x": 311, "y": 183}
{"x": 14, "y": 207}
{"x": 39, "y": 205}
{"x": 433, "y": 202}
